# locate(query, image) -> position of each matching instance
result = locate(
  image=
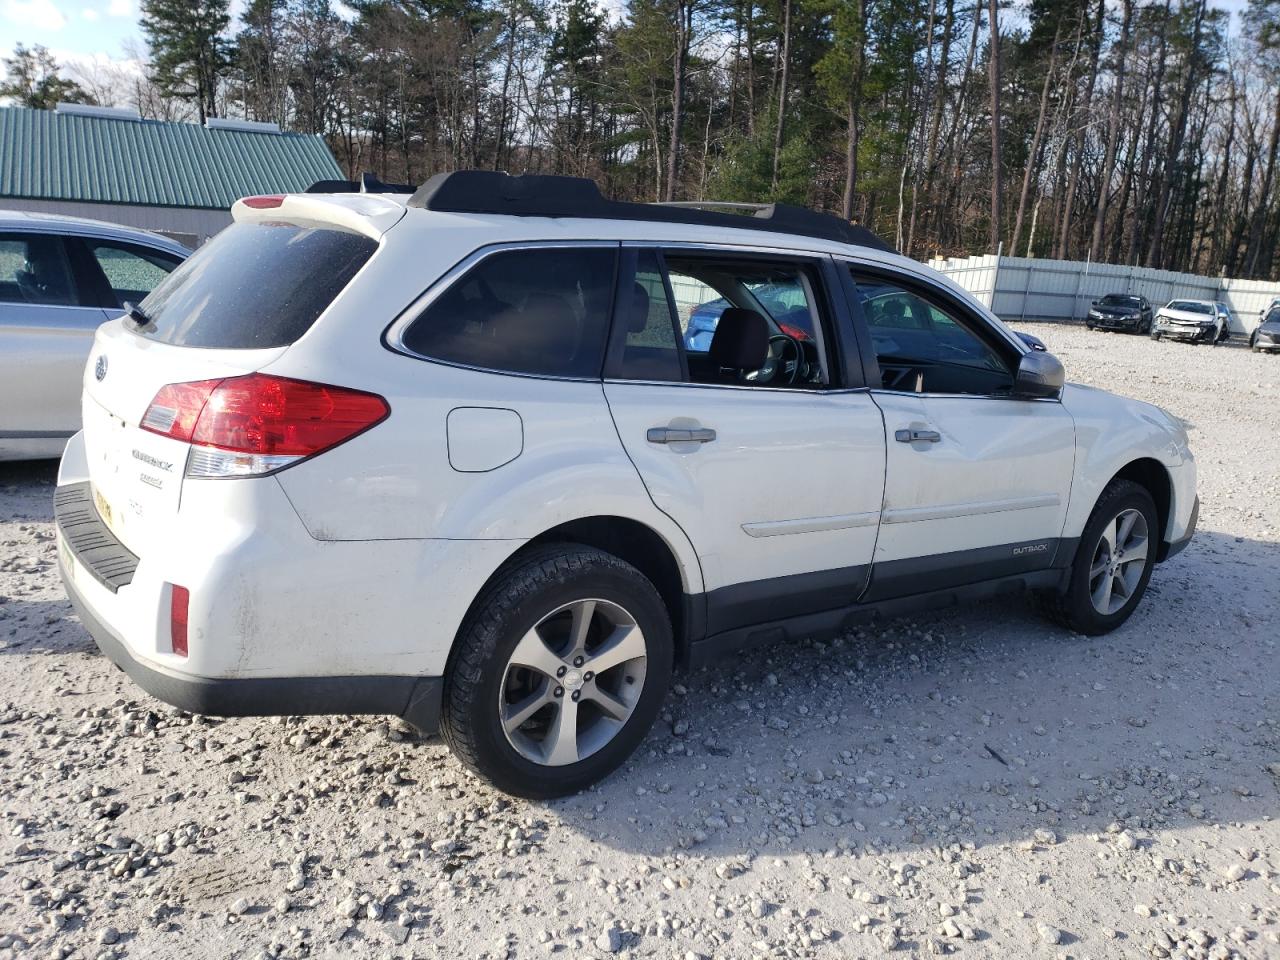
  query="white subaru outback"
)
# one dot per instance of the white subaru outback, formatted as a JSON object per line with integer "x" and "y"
{"x": 455, "y": 456}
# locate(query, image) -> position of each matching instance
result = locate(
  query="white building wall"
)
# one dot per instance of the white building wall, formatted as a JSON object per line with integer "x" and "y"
{"x": 189, "y": 225}
{"x": 1021, "y": 288}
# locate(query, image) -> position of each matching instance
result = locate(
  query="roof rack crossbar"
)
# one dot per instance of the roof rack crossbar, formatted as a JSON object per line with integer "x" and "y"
{"x": 367, "y": 183}
{"x": 539, "y": 195}
{"x": 713, "y": 205}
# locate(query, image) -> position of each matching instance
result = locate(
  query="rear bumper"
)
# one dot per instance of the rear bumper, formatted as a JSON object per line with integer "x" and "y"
{"x": 416, "y": 699}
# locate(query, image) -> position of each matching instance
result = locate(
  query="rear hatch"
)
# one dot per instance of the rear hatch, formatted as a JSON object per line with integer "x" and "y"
{"x": 231, "y": 310}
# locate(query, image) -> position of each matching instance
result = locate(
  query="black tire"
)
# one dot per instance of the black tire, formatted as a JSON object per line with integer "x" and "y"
{"x": 1088, "y": 326}
{"x": 1156, "y": 335}
{"x": 1074, "y": 608}
{"x": 519, "y": 595}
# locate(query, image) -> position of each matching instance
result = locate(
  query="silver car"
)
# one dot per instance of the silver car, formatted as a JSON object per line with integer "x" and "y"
{"x": 60, "y": 278}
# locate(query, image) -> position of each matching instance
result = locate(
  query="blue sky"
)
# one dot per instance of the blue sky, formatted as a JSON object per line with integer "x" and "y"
{"x": 89, "y": 32}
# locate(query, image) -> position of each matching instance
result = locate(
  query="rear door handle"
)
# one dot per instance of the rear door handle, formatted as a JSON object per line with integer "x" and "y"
{"x": 911, "y": 436}
{"x": 680, "y": 435}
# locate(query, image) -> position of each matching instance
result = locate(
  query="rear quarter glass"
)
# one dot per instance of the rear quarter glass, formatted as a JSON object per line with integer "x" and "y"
{"x": 254, "y": 285}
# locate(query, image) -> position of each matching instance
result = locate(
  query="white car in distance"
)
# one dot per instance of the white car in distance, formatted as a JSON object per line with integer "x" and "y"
{"x": 1193, "y": 321}
{"x": 60, "y": 279}
{"x": 450, "y": 456}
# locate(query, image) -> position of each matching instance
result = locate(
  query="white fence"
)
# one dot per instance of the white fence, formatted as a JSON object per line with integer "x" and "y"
{"x": 1020, "y": 288}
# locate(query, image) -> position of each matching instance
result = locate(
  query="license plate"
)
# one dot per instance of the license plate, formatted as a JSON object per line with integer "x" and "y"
{"x": 104, "y": 509}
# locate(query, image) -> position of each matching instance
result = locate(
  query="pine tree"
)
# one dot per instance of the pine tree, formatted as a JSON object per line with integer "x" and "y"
{"x": 189, "y": 49}
{"x": 31, "y": 80}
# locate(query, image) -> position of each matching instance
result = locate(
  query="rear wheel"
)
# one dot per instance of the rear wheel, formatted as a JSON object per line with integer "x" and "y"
{"x": 1113, "y": 562}
{"x": 558, "y": 672}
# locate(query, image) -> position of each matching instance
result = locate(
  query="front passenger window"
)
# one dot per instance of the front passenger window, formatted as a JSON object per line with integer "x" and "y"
{"x": 923, "y": 346}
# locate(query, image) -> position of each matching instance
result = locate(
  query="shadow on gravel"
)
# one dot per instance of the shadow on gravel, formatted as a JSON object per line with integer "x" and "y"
{"x": 30, "y": 483}
{"x": 981, "y": 724}
{"x": 47, "y": 627}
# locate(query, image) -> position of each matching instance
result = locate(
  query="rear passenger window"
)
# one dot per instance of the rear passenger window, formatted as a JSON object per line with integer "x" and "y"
{"x": 34, "y": 270}
{"x": 536, "y": 311}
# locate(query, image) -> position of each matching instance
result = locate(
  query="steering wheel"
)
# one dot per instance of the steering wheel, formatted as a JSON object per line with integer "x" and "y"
{"x": 769, "y": 369}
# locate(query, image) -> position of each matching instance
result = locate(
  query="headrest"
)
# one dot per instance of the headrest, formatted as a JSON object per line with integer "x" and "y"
{"x": 741, "y": 340}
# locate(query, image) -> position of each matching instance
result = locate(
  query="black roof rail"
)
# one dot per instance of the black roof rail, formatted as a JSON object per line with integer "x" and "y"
{"x": 538, "y": 195}
{"x": 367, "y": 183}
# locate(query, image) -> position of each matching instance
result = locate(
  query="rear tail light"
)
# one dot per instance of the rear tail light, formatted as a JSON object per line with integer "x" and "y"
{"x": 179, "y": 603}
{"x": 255, "y": 424}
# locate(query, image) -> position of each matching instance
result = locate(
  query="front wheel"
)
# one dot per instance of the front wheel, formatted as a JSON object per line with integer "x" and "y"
{"x": 1113, "y": 562}
{"x": 558, "y": 672}
{"x": 1156, "y": 335}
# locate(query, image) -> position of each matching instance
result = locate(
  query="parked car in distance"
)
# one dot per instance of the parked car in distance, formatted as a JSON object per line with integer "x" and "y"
{"x": 60, "y": 278}
{"x": 1194, "y": 321}
{"x": 1266, "y": 335}
{"x": 777, "y": 300}
{"x": 449, "y": 456}
{"x": 1120, "y": 311}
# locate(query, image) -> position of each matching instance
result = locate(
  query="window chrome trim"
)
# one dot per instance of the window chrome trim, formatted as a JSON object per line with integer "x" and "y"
{"x": 393, "y": 335}
{"x": 1002, "y": 398}
{"x": 808, "y": 392}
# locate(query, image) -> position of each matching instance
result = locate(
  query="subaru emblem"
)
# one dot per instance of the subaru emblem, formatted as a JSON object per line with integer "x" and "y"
{"x": 100, "y": 368}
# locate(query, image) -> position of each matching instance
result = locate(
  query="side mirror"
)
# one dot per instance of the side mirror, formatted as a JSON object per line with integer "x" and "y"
{"x": 1040, "y": 376}
{"x": 1093, "y": 303}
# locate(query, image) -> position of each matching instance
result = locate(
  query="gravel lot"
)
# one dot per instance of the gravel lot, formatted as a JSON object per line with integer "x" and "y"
{"x": 973, "y": 781}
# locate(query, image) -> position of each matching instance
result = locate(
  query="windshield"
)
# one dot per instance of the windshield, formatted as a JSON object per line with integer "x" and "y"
{"x": 1191, "y": 306}
{"x": 1116, "y": 300}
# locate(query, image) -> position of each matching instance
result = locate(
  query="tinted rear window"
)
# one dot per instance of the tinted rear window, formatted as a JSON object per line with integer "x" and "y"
{"x": 254, "y": 285}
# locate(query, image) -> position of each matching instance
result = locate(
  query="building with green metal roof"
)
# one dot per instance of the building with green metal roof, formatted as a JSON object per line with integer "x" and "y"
{"x": 179, "y": 179}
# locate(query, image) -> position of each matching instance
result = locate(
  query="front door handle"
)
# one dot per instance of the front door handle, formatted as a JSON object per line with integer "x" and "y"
{"x": 680, "y": 435}
{"x": 911, "y": 436}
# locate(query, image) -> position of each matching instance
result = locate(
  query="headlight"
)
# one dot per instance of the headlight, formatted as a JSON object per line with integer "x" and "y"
{"x": 1095, "y": 315}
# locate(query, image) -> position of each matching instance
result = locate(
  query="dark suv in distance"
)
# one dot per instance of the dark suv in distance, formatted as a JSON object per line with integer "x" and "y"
{"x": 1120, "y": 311}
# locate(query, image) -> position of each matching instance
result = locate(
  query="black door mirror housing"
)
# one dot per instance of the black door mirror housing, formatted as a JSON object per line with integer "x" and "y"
{"x": 1040, "y": 377}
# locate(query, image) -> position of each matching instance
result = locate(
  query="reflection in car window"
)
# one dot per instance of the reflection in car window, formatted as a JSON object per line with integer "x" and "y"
{"x": 923, "y": 348}
{"x": 34, "y": 270}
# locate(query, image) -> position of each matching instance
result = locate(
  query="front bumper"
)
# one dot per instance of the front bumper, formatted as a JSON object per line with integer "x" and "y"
{"x": 1180, "y": 331}
{"x": 1125, "y": 324}
{"x": 1177, "y": 546}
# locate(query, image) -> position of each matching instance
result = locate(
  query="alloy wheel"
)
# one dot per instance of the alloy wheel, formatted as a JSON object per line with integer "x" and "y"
{"x": 1118, "y": 561}
{"x": 572, "y": 682}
